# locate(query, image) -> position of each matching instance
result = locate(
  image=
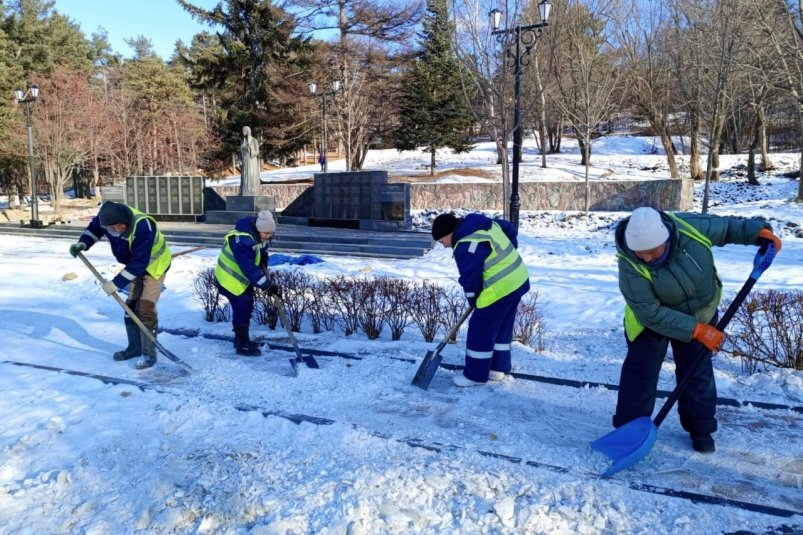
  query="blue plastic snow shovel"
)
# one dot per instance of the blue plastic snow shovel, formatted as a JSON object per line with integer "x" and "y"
{"x": 630, "y": 443}
{"x": 426, "y": 371}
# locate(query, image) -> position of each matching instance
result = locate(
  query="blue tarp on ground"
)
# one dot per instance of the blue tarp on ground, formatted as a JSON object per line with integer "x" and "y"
{"x": 276, "y": 259}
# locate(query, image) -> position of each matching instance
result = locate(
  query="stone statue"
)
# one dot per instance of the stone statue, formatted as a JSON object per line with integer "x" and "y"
{"x": 249, "y": 168}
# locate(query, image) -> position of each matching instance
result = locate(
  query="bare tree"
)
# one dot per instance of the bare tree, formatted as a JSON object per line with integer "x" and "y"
{"x": 708, "y": 46}
{"x": 586, "y": 74}
{"x": 638, "y": 32}
{"x": 367, "y": 30}
{"x": 65, "y": 114}
{"x": 783, "y": 25}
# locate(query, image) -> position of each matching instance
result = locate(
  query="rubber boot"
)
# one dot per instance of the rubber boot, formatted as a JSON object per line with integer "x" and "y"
{"x": 148, "y": 346}
{"x": 134, "y": 348}
{"x": 243, "y": 344}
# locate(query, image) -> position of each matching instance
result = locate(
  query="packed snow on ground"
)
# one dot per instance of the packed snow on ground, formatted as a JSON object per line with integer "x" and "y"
{"x": 242, "y": 446}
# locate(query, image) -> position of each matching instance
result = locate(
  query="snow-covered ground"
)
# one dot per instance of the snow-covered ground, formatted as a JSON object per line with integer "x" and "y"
{"x": 243, "y": 446}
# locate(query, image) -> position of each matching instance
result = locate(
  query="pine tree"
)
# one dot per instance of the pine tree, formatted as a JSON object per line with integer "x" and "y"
{"x": 434, "y": 112}
{"x": 253, "y": 73}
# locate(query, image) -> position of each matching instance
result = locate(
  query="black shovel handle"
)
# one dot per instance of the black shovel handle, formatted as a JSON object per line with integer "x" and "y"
{"x": 452, "y": 332}
{"x": 761, "y": 262}
{"x": 309, "y": 360}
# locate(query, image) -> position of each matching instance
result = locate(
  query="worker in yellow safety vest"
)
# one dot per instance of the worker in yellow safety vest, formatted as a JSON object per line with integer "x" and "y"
{"x": 137, "y": 243}
{"x": 494, "y": 279}
{"x": 242, "y": 265}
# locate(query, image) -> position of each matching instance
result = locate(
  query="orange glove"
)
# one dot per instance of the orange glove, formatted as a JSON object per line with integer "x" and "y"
{"x": 709, "y": 336}
{"x": 766, "y": 235}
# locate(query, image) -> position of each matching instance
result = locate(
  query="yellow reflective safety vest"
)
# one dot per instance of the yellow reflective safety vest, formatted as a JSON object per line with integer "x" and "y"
{"x": 160, "y": 254}
{"x": 633, "y": 326}
{"x": 504, "y": 271}
{"x": 227, "y": 270}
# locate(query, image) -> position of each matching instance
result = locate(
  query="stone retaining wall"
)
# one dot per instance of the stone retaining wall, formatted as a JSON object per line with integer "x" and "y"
{"x": 283, "y": 193}
{"x": 619, "y": 195}
{"x": 614, "y": 195}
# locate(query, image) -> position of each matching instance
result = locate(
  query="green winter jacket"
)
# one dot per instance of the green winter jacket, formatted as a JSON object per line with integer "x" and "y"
{"x": 684, "y": 290}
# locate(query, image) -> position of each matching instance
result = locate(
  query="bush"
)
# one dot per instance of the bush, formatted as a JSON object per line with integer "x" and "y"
{"x": 768, "y": 331}
{"x": 427, "y": 307}
{"x": 399, "y": 294}
{"x": 295, "y": 287}
{"x": 529, "y": 327}
{"x": 364, "y": 304}
{"x": 206, "y": 291}
{"x": 453, "y": 304}
{"x": 345, "y": 296}
{"x": 372, "y": 307}
{"x": 265, "y": 312}
{"x": 320, "y": 310}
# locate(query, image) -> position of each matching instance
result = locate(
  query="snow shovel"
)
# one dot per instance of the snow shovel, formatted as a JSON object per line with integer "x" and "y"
{"x": 426, "y": 371}
{"x": 309, "y": 360}
{"x": 630, "y": 443}
{"x": 134, "y": 317}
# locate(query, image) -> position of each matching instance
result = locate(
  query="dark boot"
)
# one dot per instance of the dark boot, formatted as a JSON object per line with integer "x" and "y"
{"x": 243, "y": 344}
{"x": 134, "y": 348}
{"x": 148, "y": 346}
{"x": 703, "y": 443}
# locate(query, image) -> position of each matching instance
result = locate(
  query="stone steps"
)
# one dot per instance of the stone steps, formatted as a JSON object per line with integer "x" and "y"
{"x": 289, "y": 238}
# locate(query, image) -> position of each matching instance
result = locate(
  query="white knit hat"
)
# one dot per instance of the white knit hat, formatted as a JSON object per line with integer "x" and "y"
{"x": 645, "y": 230}
{"x": 265, "y": 222}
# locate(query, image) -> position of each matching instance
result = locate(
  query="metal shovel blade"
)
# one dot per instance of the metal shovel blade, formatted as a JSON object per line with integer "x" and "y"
{"x": 294, "y": 364}
{"x": 628, "y": 444}
{"x": 309, "y": 360}
{"x": 426, "y": 371}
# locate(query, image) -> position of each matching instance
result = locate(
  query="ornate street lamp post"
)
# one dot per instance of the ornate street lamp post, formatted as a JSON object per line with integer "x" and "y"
{"x": 313, "y": 87}
{"x": 28, "y": 97}
{"x": 525, "y": 39}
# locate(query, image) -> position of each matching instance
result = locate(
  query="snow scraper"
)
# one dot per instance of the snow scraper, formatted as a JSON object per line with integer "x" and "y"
{"x": 137, "y": 321}
{"x": 309, "y": 360}
{"x": 630, "y": 443}
{"x": 426, "y": 371}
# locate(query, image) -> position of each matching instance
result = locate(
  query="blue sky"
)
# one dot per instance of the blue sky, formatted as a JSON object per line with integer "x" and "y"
{"x": 162, "y": 21}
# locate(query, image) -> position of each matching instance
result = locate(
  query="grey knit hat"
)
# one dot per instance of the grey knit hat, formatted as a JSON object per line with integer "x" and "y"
{"x": 265, "y": 222}
{"x": 645, "y": 229}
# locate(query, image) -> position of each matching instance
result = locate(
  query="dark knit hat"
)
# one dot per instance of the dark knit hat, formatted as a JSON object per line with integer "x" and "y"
{"x": 443, "y": 225}
{"x": 112, "y": 213}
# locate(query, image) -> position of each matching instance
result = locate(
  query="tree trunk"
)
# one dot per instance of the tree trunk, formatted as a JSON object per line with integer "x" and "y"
{"x": 542, "y": 127}
{"x": 587, "y": 157}
{"x": 694, "y": 148}
{"x": 715, "y": 146}
{"x": 761, "y": 117}
{"x": 669, "y": 149}
{"x": 800, "y": 173}
{"x": 751, "y": 155}
{"x": 501, "y": 155}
